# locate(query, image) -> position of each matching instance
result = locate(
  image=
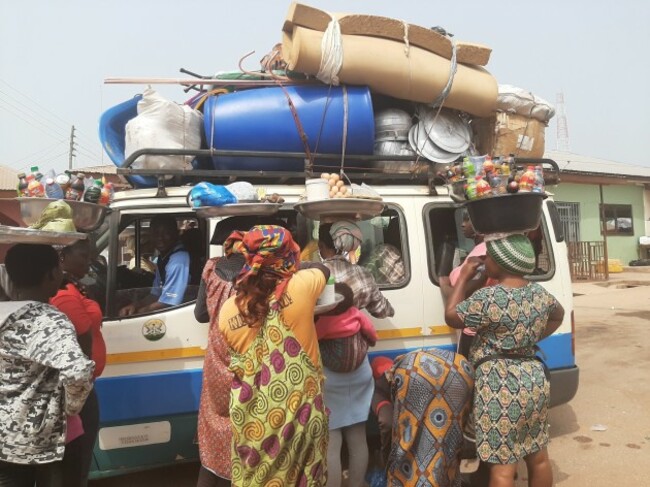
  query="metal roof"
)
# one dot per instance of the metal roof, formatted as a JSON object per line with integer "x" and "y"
{"x": 8, "y": 178}
{"x": 579, "y": 164}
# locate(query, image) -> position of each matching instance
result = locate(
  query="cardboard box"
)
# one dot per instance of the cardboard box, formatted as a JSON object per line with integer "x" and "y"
{"x": 509, "y": 133}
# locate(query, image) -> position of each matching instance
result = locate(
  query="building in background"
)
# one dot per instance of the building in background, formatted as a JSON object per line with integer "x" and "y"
{"x": 623, "y": 190}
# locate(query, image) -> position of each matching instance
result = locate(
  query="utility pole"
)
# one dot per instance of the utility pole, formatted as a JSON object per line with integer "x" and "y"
{"x": 71, "y": 152}
{"x": 562, "y": 138}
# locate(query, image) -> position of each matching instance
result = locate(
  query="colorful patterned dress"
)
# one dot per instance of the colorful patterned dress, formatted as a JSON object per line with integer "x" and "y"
{"x": 511, "y": 395}
{"x": 215, "y": 435}
{"x": 432, "y": 393}
{"x": 277, "y": 412}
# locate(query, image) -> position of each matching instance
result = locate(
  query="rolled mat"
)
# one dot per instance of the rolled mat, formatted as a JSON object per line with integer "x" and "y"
{"x": 383, "y": 65}
{"x": 388, "y": 28}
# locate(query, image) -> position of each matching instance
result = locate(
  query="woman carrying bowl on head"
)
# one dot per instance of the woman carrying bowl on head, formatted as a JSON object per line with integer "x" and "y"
{"x": 509, "y": 318}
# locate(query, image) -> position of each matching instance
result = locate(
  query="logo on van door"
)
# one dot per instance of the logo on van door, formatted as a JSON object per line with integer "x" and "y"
{"x": 154, "y": 329}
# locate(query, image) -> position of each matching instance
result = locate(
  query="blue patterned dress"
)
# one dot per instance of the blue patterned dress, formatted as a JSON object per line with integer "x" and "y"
{"x": 431, "y": 392}
{"x": 510, "y": 395}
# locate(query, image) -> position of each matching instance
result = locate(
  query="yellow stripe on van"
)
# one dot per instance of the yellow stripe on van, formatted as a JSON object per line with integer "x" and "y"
{"x": 400, "y": 333}
{"x": 153, "y": 355}
{"x": 414, "y": 332}
{"x": 441, "y": 330}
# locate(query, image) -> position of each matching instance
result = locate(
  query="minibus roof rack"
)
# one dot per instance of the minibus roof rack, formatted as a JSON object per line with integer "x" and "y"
{"x": 413, "y": 169}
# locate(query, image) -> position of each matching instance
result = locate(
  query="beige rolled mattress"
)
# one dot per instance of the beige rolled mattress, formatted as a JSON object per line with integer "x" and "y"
{"x": 384, "y": 66}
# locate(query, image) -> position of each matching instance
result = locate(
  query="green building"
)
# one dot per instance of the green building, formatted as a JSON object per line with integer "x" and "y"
{"x": 621, "y": 189}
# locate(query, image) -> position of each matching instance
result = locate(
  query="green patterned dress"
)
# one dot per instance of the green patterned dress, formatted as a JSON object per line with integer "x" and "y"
{"x": 510, "y": 395}
{"x": 278, "y": 416}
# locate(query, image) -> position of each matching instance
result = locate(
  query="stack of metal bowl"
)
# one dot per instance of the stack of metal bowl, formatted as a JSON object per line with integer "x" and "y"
{"x": 440, "y": 136}
{"x": 392, "y": 127}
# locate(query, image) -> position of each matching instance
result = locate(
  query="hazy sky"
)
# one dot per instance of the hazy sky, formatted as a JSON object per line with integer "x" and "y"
{"x": 54, "y": 56}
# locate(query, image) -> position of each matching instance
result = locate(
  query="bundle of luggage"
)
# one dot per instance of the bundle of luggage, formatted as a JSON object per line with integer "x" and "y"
{"x": 348, "y": 84}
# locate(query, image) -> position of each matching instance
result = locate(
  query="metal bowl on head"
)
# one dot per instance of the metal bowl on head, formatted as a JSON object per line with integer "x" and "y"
{"x": 85, "y": 216}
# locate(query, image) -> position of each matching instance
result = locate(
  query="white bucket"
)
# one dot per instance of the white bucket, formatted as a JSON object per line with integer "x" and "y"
{"x": 317, "y": 189}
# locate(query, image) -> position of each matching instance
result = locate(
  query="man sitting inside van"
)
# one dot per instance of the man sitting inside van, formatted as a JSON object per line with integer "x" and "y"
{"x": 172, "y": 269}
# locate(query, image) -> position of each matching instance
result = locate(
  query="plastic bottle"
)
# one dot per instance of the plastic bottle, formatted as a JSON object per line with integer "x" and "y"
{"x": 488, "y": 165}
{"x": 470, "y": 189}
{"x": 93, "y": 193}
{"x": 527, "y": 180}
{"x": 37, "y": 174}
{"x": 498, "y": 183}
{"x": 483, "y": 188}
{"x": 328, "y": 296}
{"x": 63, "y": 180}
{"x": 105, "y": 196}
{"x": 21, "y": 189}
{"x": 469, "y": 169}
{"x": 35, "y": 188}
{"x": 76, "y": 189}
{"x": 538, "y": 181}
{"x": 111, "y": 192}
{"x": 53, "y": 189}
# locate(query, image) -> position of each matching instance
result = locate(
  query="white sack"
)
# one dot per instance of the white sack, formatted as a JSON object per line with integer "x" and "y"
{"x": 517, "y": 100}
{"x": 163, "y": 124}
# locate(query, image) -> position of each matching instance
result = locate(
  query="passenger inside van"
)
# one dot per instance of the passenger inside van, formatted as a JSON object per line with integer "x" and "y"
{"x": 385, "y": 261}
{"x": 172, "y": 270}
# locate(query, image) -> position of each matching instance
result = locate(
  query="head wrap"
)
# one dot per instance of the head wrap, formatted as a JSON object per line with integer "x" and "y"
{"x": 380, "y": 365}
{"x": 267, "y": 248}
{"x": 513, "y": 253}
{"x": 346, "y": 236}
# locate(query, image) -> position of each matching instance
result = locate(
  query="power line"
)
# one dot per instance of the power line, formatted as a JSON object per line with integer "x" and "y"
{"x": 48, "y": 149}
{"x": 44, "y": 121}
{"x": 61, "y": 120}
{"x": 57, "y": 136}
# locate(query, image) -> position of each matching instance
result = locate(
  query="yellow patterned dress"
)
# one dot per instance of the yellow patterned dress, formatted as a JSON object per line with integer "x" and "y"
{"x": 276, "y": 407}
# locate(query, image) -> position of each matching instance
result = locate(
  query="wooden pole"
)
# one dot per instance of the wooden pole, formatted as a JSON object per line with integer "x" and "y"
{"x": 604, "y": 230}
{"x": 202, "y": 81}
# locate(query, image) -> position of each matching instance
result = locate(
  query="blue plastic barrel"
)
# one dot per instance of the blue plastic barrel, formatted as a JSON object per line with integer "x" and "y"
{"x": 112, "y": 135}
{"x": 260, "y": 120}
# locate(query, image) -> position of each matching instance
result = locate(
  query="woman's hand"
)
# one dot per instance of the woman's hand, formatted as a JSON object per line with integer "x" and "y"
{"x": 471, "y": 268}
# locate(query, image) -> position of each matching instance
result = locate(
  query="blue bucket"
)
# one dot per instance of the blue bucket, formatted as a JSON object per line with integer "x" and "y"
{"x": 260, "y": 120}
{"x": 112, "y": 135}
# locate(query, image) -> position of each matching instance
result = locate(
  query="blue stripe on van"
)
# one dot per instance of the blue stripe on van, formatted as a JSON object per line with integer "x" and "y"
{"x": 163, "y": 394}
{"x": 556, "y": 348}
{"x": 149, "y": 395}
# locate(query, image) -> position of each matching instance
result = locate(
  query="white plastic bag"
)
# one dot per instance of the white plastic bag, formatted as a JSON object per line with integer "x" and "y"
{"x": 163, "y": 124}
{"x": 243, "y": 191}
{"x": 517, "y": 100}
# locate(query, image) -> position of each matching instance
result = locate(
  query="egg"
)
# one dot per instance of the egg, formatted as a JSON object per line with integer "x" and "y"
{"x": 334, "y": 176}
{"x": 325, "y": 175}
{"x": 343, "y": 190}
{"x": 332, "y": 183}
{"x": 340, "y": 183}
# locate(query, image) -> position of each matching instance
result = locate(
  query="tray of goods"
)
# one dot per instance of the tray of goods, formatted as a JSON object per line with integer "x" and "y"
{"x": 85, "y": 216}
{"x": 239, "y": 209}
{"x": 499, "y": 197}
{"x": 329, "y": 198}
{"x": 15, "y": 235}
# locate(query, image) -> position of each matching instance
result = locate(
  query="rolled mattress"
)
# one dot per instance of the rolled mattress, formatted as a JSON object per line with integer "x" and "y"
{"x": 261, "y": 120}
{"x": 382, "y": 64}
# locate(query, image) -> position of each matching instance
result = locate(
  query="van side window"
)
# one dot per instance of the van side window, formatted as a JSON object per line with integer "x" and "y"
{"x": 138, "y": 274}
{"x": 384, "y": 251}
{"x": 447, "y": 246}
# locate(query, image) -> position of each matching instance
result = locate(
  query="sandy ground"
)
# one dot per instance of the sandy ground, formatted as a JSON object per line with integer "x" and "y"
{"x": 613, "y": 353}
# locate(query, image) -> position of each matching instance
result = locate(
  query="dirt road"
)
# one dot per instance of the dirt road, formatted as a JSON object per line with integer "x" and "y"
{"x": 613, "y": 352}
